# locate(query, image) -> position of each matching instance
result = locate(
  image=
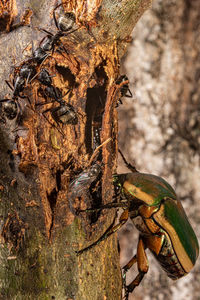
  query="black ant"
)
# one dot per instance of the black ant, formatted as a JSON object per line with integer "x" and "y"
{"x": 64, "y": 113}
{"x": 39, "y": 55}
{"x": 50, "y": 91}
{"x": 24, "y": 74}
{"x": 27, "y": 71}
{"x": 64, "y": 25}
{"x": 45, "y": 78}
{"x": 12, "y": 106}
{"x": 17, "y": 88}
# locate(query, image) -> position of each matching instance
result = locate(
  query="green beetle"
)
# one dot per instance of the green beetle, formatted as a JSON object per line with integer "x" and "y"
{"x": 164, "y": 228}
{"x": 152, "y": 205}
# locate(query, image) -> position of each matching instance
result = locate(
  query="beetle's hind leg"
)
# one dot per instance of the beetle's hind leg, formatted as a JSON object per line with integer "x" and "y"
{"x": 128, "y": 165}
{"x": 143, "y": 267}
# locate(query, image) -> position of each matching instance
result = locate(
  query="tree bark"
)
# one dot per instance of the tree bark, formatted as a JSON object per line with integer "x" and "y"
{"x": 39, "y": 158}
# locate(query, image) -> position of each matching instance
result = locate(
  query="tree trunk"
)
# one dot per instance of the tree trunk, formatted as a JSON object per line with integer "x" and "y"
{"x": 40, "y": 157}
{"x": 162, "y": 134}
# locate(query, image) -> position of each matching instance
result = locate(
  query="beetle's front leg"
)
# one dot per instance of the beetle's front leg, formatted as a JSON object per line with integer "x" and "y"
{"x": 143, "y": 267}
{"x": 123, "y": 219}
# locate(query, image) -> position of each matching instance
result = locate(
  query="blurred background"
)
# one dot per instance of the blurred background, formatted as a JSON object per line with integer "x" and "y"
{"x": 159, "y": 128}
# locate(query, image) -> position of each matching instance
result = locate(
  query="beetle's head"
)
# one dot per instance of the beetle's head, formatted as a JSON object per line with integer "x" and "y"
{"x": 117, "y": 185}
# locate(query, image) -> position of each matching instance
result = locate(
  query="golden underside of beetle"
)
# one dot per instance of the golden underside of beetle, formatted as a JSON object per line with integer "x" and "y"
{"x": 159, "y": 242}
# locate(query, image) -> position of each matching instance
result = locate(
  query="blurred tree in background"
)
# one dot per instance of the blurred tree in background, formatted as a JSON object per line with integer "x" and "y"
{"x": 159, "y": 128}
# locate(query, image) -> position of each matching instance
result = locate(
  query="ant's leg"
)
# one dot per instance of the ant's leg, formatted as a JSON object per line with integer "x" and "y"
{"x": 8, "y": 83}
{"x": 32, "y": 49}
{"x": 43, "y": 103}
{"x": 90, "y": 33}
{"x": 60, "y": 100}
{"x": 43, "y": 113}
{"x": 25, "y": 97}
{"x": 64, "y": 49}
{"x": 54, "y": 16}
{"x": 27, "y": 79}
{"x": 65, "y": 34}
{"x": 4, "y": 100}
{"x": 44, "y": 30}
{"x": 29, "y": 101}
{"x": 67, "y": 93}
{"x": 40, "y": 71}
{"x": 59, "y": 50}
{"x": 20, "y": 108}
{"x": 42, "y": 40}
{"x": 19, "y": 116}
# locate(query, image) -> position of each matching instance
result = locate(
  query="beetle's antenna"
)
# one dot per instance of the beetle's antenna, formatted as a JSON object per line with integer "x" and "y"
{"x": 128, "y": 165}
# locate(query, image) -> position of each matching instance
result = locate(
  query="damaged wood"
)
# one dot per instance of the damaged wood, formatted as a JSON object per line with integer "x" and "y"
{"x": 10, "y": 18}
{"x": 62, "y": 119}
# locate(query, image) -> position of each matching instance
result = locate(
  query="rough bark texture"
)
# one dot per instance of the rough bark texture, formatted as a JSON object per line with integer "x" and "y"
{"x": 162, "y": 135}
{"x": 39, "y": 158}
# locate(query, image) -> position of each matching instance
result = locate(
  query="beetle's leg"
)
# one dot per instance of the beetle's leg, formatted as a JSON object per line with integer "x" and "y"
{"x": 143, "y": 267}
{"x": 128, "y": 165}
{"x": 123, "y": 219}
{"x": 131, "y": 262}
{"x": 124, "y": 271}
{"x": 106, "y": 206}
{"x": 129, "y": 94}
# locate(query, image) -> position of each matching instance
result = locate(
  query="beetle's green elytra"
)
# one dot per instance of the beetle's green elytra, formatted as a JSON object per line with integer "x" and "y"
{"x": 174, "y": 221}
{"x": 162, "y": 222}
{"x": 148, "y": 188}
